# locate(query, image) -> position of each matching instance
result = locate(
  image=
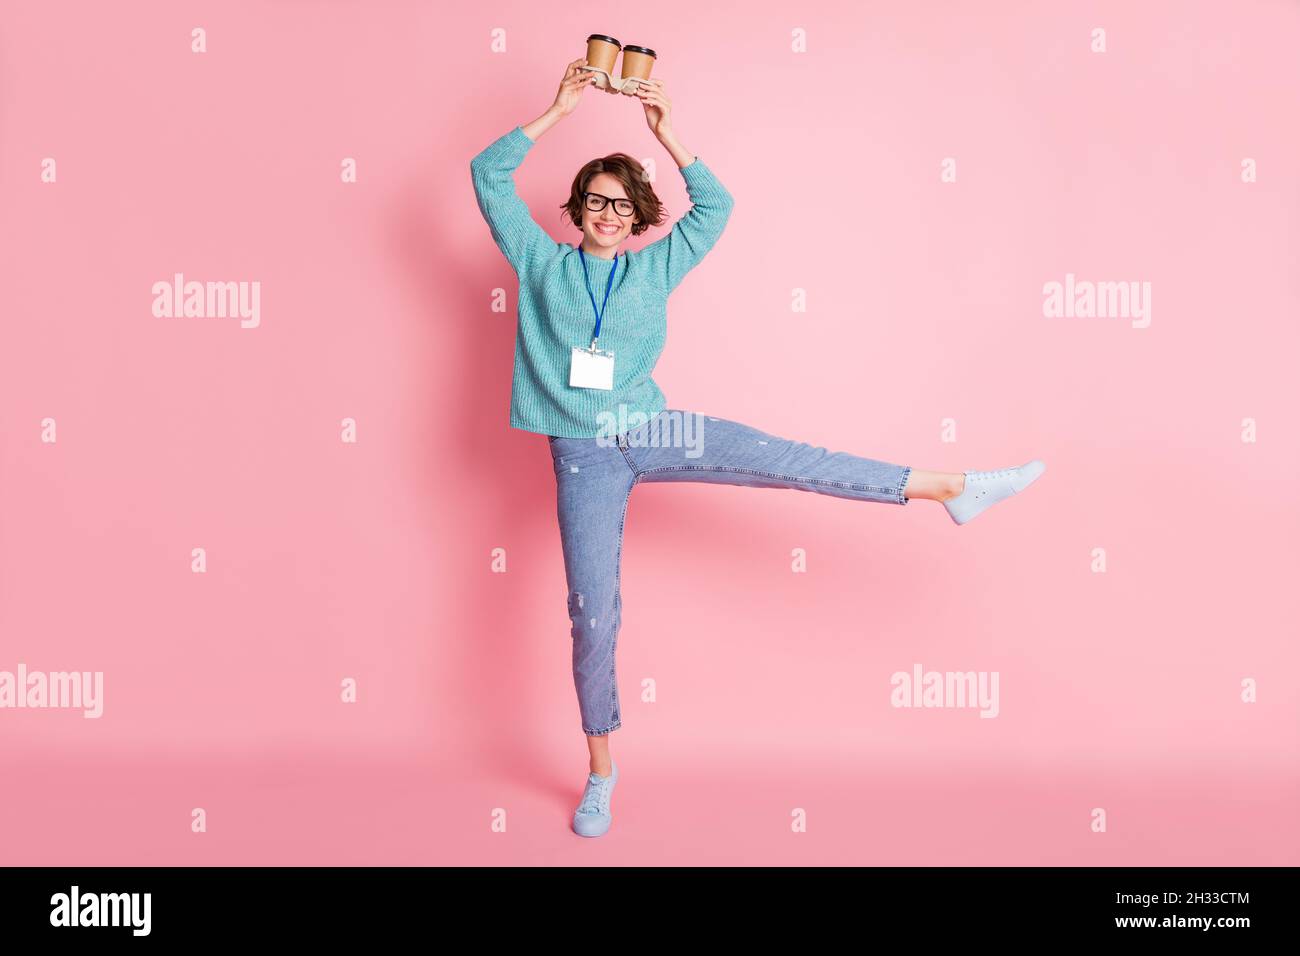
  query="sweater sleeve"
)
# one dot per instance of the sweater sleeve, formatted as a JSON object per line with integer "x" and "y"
{"x": 518, "y": 236}
{"x": 694, "y": 234}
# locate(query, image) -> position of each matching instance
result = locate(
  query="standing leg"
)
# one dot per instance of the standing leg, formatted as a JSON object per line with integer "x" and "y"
{"x": 593, "y": 482}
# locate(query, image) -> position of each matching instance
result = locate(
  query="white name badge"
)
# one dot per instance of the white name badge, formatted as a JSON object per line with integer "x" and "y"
{"x": 591, "y": 368}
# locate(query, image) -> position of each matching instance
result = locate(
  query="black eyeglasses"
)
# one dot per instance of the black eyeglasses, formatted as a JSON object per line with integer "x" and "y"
{"x": 596, "y": 202}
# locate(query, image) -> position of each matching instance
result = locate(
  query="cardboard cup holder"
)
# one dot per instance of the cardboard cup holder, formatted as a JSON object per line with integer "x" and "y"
{"x": 620, "y": 84}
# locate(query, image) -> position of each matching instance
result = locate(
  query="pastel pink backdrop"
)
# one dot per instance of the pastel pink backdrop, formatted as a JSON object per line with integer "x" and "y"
{"x": 373, "y": 561}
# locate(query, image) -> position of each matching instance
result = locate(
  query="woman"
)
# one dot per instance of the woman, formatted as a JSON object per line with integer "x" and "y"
{"x": 603, "y": 414}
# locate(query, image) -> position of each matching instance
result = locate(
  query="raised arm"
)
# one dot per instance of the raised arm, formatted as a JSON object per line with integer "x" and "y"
{"x": 694, "y": 234}
{"x": 516, "y": 233}
{"x": 518, "y": 236}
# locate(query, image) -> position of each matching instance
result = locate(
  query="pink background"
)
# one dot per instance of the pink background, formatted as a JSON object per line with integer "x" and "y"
{"x": 373, "y": 561}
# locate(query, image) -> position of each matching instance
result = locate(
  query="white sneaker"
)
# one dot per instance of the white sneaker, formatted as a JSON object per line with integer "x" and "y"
{"x": 593, "y": 817}
{"x": 984, "y": 488}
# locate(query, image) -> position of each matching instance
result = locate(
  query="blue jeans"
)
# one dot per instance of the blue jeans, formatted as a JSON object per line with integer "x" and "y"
{"x": 594, "y": 478}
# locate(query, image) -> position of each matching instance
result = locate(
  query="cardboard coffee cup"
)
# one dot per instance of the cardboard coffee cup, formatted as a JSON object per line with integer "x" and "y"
{"x": 602, "y": 51}
{"x": 638, "y": 61}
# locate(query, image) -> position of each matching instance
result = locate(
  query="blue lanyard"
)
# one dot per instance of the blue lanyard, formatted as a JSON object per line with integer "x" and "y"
{"x": 600, "y": 313}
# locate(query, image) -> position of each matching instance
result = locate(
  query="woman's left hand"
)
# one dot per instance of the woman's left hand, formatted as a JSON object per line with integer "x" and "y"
{"x": 658, "y": 115}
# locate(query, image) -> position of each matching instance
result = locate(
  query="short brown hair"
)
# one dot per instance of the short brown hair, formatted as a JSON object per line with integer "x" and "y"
{"x": 631, "y": 174}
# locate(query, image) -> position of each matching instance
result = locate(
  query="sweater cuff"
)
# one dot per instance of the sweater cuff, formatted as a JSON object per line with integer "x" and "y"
{"x": 701, "y": 182}
{"x": 696, "y": 171}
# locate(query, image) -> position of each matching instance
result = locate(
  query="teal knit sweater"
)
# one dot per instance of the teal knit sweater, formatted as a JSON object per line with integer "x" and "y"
{"x": 556, "y": 313}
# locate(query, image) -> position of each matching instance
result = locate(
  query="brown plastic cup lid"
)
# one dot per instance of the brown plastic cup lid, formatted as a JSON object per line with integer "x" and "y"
{"x": 599, "y": 36}
{"x": 639, "y": 49}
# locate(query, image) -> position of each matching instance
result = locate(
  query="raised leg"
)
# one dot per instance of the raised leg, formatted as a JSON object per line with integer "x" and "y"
{"x": 934, "y": 485}
{"x": 679, "y": 445}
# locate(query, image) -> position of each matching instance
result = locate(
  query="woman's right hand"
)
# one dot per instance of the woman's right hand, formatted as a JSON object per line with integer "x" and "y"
{"x": 571, "y": 87}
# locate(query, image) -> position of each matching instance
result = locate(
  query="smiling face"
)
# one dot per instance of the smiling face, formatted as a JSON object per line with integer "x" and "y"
{"x": 606, "y": 229}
